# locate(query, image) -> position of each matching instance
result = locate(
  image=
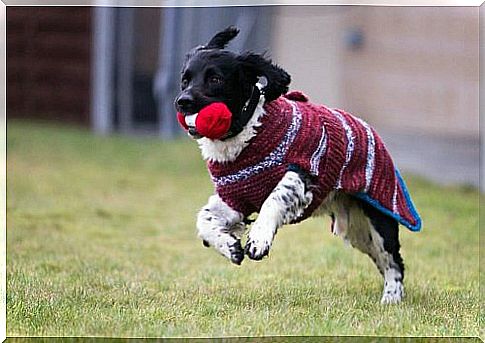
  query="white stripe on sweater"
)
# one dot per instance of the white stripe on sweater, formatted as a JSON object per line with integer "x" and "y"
{"x": 369, "y": 166}
{"x": 394, "y": 199}
{"x": 318, "y": 153}
{"x": 350, "y": 145}
{"x": 275, "y": 158}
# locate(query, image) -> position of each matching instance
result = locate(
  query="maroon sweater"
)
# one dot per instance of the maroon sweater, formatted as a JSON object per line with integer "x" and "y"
{"x": 341, "y": 151}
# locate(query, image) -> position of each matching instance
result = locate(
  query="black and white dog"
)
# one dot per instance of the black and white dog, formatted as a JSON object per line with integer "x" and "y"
{"x": 211, "y": 74}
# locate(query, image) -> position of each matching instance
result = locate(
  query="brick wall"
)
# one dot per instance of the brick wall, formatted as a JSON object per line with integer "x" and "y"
{"x": 48, "y": 63}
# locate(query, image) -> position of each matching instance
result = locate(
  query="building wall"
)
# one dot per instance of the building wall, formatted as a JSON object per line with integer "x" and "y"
{"x": 415, "y": 68}
{"x": 48, "y": 63}
{"x": 412, "y": 68}
{"x": 307, "y": 42}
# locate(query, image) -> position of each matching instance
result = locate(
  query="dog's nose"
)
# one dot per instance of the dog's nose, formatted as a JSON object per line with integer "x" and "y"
{"x": 185, "y": 102}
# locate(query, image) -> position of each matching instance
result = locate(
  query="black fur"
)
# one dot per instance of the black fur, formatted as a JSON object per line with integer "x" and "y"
{"x": 221, "y": 39}
{"x": 306, "y": 177}
{"x": 237, "y": 250}
{"x": 388, "y": 229}
{"x": 277, "y": 78}
{"x": 211, "y": 74}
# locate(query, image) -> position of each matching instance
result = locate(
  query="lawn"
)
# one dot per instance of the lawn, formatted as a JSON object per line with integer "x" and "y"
{"x": 101, "y": 241}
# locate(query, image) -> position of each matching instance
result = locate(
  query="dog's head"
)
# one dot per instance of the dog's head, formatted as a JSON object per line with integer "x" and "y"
{"x": 211, "y": 74}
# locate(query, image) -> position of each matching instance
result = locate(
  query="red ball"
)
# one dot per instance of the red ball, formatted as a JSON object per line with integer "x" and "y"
{"x": 181, "y": 120}
{"x": 213, "y": 121}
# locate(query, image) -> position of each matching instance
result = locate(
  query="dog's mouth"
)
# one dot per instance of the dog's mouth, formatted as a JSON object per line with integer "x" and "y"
{"x": 190, "y": 121}
{"x": 212, "y": 121}
{"x": 194, "y": 134}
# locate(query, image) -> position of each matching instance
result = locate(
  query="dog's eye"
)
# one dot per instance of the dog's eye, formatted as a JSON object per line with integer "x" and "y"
{"x": 216, "y": 80}
{"x": 184, "y": 83}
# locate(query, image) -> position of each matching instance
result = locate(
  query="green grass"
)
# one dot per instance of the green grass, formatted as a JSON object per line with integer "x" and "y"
{"x": 101, "y": 242}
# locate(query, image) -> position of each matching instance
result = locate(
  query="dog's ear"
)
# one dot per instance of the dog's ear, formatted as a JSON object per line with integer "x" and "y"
{"x": 221, "y": 39}
{"x": 277, "y": 79}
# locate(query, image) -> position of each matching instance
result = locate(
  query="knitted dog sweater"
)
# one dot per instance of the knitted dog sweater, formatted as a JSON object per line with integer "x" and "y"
{"x": 340, "y": 151}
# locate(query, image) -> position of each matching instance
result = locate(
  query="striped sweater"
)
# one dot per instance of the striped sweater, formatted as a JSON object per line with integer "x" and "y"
{"x": 340, "y": 151}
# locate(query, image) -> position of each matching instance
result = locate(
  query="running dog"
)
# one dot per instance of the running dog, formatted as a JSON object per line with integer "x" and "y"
{"x": 286, "y": 159}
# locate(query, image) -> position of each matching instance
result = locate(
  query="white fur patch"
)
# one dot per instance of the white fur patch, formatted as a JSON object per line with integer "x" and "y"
{"x": 393, "y": 287}
{"x": 220, "y": 226}
{"x": 228, "y": 150}
{"x": 355, "y": 228}
{"x": 285, "y": 204}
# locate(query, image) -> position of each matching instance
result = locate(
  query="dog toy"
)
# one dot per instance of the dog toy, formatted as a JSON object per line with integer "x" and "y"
{"x": 213, "y": 121}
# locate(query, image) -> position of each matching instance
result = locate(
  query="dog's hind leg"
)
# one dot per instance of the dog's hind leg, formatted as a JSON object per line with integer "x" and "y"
{"x": 221, "y": 227}
{"x": 377, "y": 235}
{"x": 286, "y": 203}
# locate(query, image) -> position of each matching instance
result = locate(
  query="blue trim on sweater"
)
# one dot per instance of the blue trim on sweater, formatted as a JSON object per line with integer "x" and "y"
{"x": 366, "y": 197}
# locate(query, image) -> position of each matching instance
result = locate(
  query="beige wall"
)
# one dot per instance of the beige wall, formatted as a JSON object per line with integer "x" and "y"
{"x": 307, "y": 43}
{"x": 417, "y": 69}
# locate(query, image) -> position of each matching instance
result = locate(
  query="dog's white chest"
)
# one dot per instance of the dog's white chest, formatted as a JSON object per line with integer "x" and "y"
{"x": 228, "y": 150}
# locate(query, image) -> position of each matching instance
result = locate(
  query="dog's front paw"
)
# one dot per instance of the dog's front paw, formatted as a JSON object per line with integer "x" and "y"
{"x": 229, "y": 247}
{"x": 256, "y": 250}
{"x": 237, "y": 252}
{"x": 258, "y": 243}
